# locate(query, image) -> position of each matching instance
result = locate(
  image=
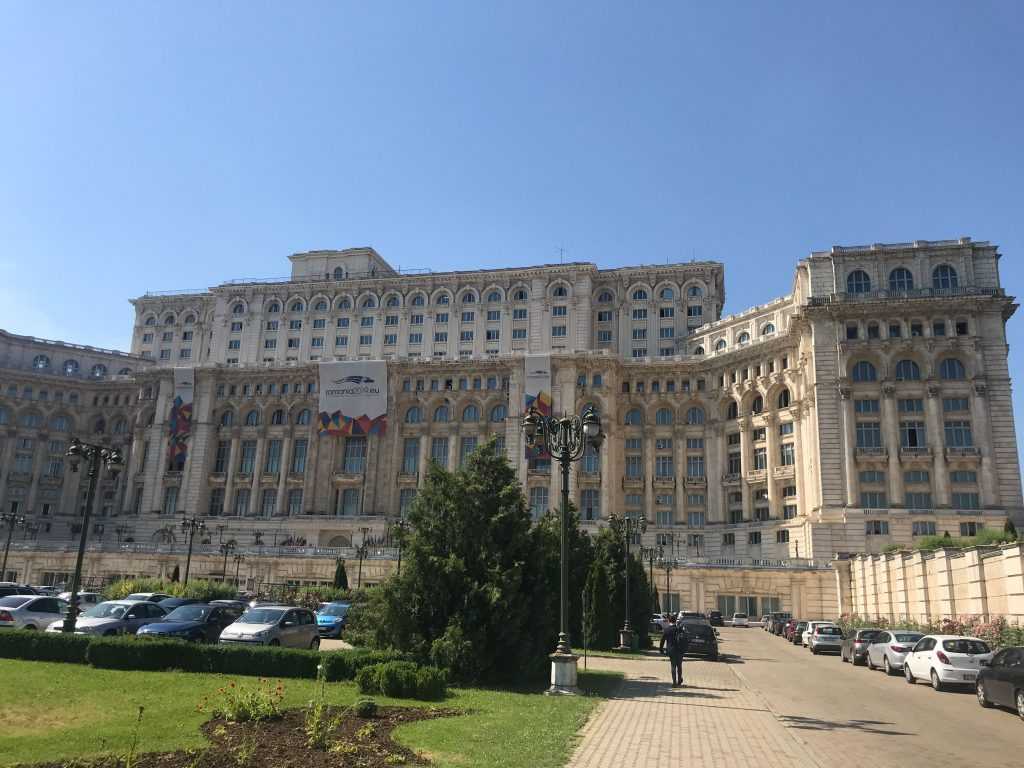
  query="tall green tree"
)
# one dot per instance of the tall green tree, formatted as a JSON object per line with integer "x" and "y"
{"x": 599, "y": 623}
{"x": 547, "y": 542}
{"x": 340, "y": 575}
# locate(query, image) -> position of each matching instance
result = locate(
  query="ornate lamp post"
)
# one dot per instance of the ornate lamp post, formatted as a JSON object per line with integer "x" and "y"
{"x": 628, "y": 527}
{"x": 566, "y": 439}
{"x": 11, "y": 520}
{"x": 191, "y": 526}
{"x": 239, "y": 559}
{"x": 650, "y": 554}
{"x": 667, "y": 564}
{"x": 226, "y": 549}
{"x": 361, "y": 552}
{"x": 399, "y": 530}
{"x": 96, "y": 455}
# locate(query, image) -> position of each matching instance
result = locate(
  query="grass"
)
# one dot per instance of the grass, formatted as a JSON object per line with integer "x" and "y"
{"x": 53, "y": 712}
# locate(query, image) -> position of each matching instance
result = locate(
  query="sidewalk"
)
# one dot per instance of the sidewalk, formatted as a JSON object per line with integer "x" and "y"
{"x": 715, "y": 720}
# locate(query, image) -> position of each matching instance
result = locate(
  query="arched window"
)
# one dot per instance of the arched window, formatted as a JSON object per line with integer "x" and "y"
{"x": 70, "y": 367}
{"x": 907, "y": 370}
{"x": 952, "y": 369}
{"x": 252, "y": 418}
{"x": 101, "y": 426}
{"x": 321, "y": 306}
{"x": 864, "y": 371}
{"x": 639, "y": 295}
{"x": 57, "y": 424}
{"x": 150, "y": 321}
{"x": 634, "y": 418}
{"x": 189, "y": 320}
{"x": 944, "y": 277}
{"x": 858, "y": 282}
{"x": 900, "y": 280}
{"x": 169, "y": 320}
{"x": 30, "y": 420}
{"x": 392, "y": 301}
{"x": 41, "y": 362}
{"x": 493, "y": 297}
{"x": 519, "y": 295}
{"x": 345, "y": 303}
{"x": 238, "y": 309}
{"x": 99, "y": 371}
{"x": 499, "y": 413}
{"x": 694, "y": 292}
{"x": 732, "y": 411}
{"x": 743, "y": 338}
{"x": 339, "y": 273}
{"x": 560, "y": 292}
{"x": 720, "y": 345}
{"x": 418, "y": 300}
{"x": 605, "y": 297}
{"x": 698, "y": 351}
{"x": 471, "y": 413}
{"x": 369, "y": 302}
{"x": 441, "y": 414}
{"x": 297, "y": 306}
{"x": 277, "y": 417}
{"x": 303, "y": 417}
{"x": 274, "y": 307}
{"x": 469, "y": 298}
{"x": 758, "y": 405}
{"x": 414, "y": 415}
{"x": 695, "y": 415}
{"x": 227, "y": 418}
{"x": 443, "y": 300}
{"x": 664, "y": 417}
{"x": 784, "y": 399}
{"x": 667, "y": 294}
{"x": 120, "y": 427}
{"x": 767, "y": 329}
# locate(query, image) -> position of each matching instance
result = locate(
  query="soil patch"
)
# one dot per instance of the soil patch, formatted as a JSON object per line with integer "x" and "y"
{"x": 356, "y": 742}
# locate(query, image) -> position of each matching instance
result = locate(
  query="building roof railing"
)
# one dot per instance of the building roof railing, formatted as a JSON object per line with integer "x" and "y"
{"x": 913, "y": 293}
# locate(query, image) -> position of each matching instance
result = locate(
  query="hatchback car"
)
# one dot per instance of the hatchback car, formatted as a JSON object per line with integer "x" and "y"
{"x": 85, "y": 599}
{"x": 740, "y": 620}
{"x": 195, "y": 622}
{"x": 30, "y": 611}
{"x": 275, "y": 625}
{"x": 809, "y": 630}
{"x": 855, "y": 645}
{"x": 331, "y": 618}
{"x": 796, "y": 637}
{"x": 946, "y": 660}
{"x": 114, "y": 617}
{"x": 827, "y": 637}
{"x": 173, "y": 603}
{"x": 715, "y": 619}
{"x": 10, "y": 588}
{"x": 889, "y": 648}
{"x": 1001, "y": 681}
{"x": 702, "y": 640}
{"x": 149, "y": 597}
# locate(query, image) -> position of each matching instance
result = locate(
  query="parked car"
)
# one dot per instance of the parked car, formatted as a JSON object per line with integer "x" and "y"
{"x": 237, "y": 607}
{"x": 30, "y": 611}
{"x": 114, "y": 617}
{"x": 1001, "y": 681}
{"x": 946, "y": 660}
{"x": 149, "y": 597}
{"x": 811, "y": 626}
{"x": 691, "y": 616}
{"x": 10, "y": 588}
{"x": 331, "y": 618}
{"x": 45, "y": 590}
{"x": 194, "y": 622}
{"x": 855, "y": 645}
{"x": 740, "y": 620}
{"x": 789, "y": 628}
{"x": 85, "y": 599}
{"x": 173, "y": 603}
{"x": 889, "y": 648}
{"x": 702, "y": 640}
{"x": 275, "y": 625}
{"x": 796, "y": 638}
{"x": 715, "y": 619}
{"x": 826, "y": 637}
{"x": 778, "y": 621}
{"x": 764, "y": 620}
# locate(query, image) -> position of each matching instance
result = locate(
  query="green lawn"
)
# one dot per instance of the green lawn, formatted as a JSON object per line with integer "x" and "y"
{"x": 54, "y": 711}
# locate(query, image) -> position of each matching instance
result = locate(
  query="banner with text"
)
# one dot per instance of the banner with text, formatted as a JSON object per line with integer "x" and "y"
{"x": 180, "y": 421}
{"x": 537, "y": 395}
{"x": 353, "y": 398}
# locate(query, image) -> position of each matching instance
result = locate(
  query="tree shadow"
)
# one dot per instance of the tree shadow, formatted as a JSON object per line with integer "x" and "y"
{"x": 864, "y": 726}
{"x": 655, "y": 687}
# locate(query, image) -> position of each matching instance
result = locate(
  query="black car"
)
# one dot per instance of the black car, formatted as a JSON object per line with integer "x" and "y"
{"x": 778, "y": 622}
{"x": 196, "y": 622}
{"x": 6, "y": 590}
{"x": 170, "y": 603}
{"x": 1001, "y": 681}
{"x": 702, "y": 640}
{"x": 715, "y": 619}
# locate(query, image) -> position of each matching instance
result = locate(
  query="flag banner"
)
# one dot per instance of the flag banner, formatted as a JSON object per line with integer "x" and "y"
{"x": 353, "y": 398}
{"x": 537, "y": 395}
{"x": 180, "y": 421}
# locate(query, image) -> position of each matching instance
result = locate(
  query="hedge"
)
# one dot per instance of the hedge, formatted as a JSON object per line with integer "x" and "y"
{"x": 197, "y": 588}
{"x": 403, "y": 680}
{"x": 128, "y": 653}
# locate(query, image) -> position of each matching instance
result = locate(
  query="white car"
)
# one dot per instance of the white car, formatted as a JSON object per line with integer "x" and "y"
{"x": 946, "y": 660}
{"x": 889, "y": 648}
{"x": 274, "y": 625}
{"x": 811, "y": 626}
{"x": 30, "y": 611}
{"x": 740, "y": 620}
{"x": 85, "y": 599}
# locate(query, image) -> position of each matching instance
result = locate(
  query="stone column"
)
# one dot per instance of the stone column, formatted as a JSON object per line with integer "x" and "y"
{"x": 945, "y": 599}
{"x": 849, "y": 446}
{"x": 977, "y": 592}
{"x": 935, "y": 439}
{"x": 771, "y": 433}
{"x": 890, "y": 429}
{"x": 255, "y": 497}
{"x": 282, "y": 477}
{"x": 843, "y": 579}
{"x": 649, "y": 477}
{"x": 983, "y": 440}
{"x": 747, "y": 462}
{"x": 798, "y": 454}
{"x": 232, "y": 468}
{"x": 714, "y": 451}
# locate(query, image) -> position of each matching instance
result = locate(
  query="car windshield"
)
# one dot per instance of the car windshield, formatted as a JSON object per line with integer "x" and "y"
{"x": 867, "y": 634}
{"x": 964, "y": 646}
{"x": 106, "y": 611}
{"x": 14, "y": 601}
{"x": 829, "y": 631}
{"x": 334, "y": 609}
{"x": 138, "y": 596}
{"x": 907, "y": 637}
{"x": 189, "y": 613}
{"x": 739, "y": 615}
{"x": 700, "y": 630}
{"x": 261, "y": 616}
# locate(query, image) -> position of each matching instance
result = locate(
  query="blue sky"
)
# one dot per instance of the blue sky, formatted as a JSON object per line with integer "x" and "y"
{"x": 166, "y": 146}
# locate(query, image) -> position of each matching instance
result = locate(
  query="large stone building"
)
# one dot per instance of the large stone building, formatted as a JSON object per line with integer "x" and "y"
{"x": 869, "y": 406}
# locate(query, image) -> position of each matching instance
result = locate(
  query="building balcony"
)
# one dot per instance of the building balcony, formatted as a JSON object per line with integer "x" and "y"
{"x": 589, "y": 478}
{"x": 757, "y": 476}
{"x": 217, "y": 478}
{"x": 731, "y": 478}
{"x": 664, "y": 481}
{"x": 874, "y": 452}
{"x": 20, "y": 477}
{"x": 296, "y": 477}
{"x": 347, "y": 478}
{"x": 697, "y": 481}
{"x": 916, "y": 453}
{"x": 51, "y": 480}
{"x": 408, "y": 478}
{"x": 913, "y": 293}
{"x": 636, "y": 481}
{"x": 961, "y": 452}
{"x": 785, "y": 470}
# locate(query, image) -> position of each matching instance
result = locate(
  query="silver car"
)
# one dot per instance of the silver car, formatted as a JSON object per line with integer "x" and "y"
{"x": 85, "y": 599}
{"x": 114, "y": 617}
{"x": 30, "y": 611}
{"x": 282, "y": 625}
{"x": 889, "y": 649}
{"x": 825, "y": 638}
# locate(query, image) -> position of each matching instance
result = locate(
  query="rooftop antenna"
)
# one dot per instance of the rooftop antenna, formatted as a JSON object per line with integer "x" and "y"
{"x": 561, "y": 255}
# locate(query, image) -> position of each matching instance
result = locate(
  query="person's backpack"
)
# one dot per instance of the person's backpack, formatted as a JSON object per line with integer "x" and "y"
{"x": 671, "y": 637}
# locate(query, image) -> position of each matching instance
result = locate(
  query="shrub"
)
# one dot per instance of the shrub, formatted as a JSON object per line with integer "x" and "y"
{"x": 368, "y": 680}
{"x": 343, "y": 665}
{"x": 431, "y": 684}
{"x": 149, "y": 655}
{"x": 403, "y": 680}
{"x": 365, "y": 708}
{"x": 397, "y": 679}
{"x": 242, "y": 704}
{"x": 199, "y": 589}
{"x": 43, "y": 646}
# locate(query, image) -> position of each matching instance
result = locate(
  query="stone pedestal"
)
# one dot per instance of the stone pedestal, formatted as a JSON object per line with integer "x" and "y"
{"x": 625, "y": 640}
{"x": 563, "y": 675}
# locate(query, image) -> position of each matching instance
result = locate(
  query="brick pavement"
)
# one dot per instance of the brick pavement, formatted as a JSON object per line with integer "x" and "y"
{"x": 716, "y": 720}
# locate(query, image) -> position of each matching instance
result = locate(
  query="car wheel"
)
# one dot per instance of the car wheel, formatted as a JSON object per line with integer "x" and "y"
{"x": 110, "y": 633}
{"x": 936, "y": 682}
{"x": 907, "y": 674}
{"x": 982, "y": 697}
{"x": 315, "y": 645}
{"x": 29, "y": 627}
{"x": 871, "y": 664}
{"x": 814, "y": 651}
{"x": 887, "y": 666}
{"x": 1020, "y": 704}
{"x": 853, "y": 660}
{"x": 275, "y": 642}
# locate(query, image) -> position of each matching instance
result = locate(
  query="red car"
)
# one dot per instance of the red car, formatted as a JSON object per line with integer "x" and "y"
{"x": 789, "y": 629}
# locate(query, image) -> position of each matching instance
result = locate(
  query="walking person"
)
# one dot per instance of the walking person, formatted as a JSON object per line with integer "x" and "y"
{"x": 676, "y": 641}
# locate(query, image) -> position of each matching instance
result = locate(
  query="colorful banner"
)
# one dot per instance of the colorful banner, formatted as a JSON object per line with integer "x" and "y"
{"x": 180, "y": 421}
{"x": 537, "y": 395}
{"x": 353, "y": 398}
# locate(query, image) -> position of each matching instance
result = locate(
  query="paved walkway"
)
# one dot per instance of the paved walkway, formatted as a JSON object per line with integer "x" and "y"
{"x": 717, "y": 720}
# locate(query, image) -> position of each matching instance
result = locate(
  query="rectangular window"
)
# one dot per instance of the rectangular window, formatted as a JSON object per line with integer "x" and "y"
{"x": 216, "y": 505}
{"x": 971, "y": 528}
{"x": 869, "y": 434}
{"x": 912, "y": 434}
{"x": 559, "y": 311}
{"x": 958, "y": 434}
{"x": 232, "y": 344}
{"x": 754, "y": 538}
{"x": 518, "y": 333}
{"x": 695, "y": 466}
{"x": 760, "y": 459}
{"x": 441, "y": 317}
{"x": 938, "y": 328}
{"x": 406, "y": 497}
{"x": 294, "y": 325}
{"x": 170, "y": 506}
{"x": 758, "y": 434}
{"x": 728, "y": 539}
{"x": 788, "y": 491}
{"x": 872, "y": 476}
{"x": 439, "y": 451}
{"x": 415, "y": 338}
{"x": 391, "y": 320}
{"x": 667, "y": 333}
{"x": 270, "y": 343}
{"x": 411, "y": 456}
{"x": 268, "y": 502}
{"x": 366, "y": 322}
{"x": 468, "y": 317}
{"x": 466, "y": 336}
{"x": 341, "y": 341}
{"x": 604, "y": 316}
{"x": 248, "y": 458}
{"x": 663, "y": 468}
{"x": 916, "y": 476}
{"x": 294, "y": 343}
{"x": 785, "y": 428}
{"x": 917, "y": 500}
{"x": 910, "y": 405}
{"x": 640, "y": 352}
{"x": 962, "y": 500}
{"x": 390, "y": 339}
{"x": 295, "y": 502}
{"x": 519, "y": 314}
{"x": 558, "y": 331}
{"x": 961, "y": 327}
{"x": 639, "y": 334}
{"x": 242, "y": 502}
{"x": 695, "y": 519}
{"x": 354, "y": 462}
{"x": 735, "y": 464}
{"x": 350, "y": 502}
{"x": 440, "y": 337}
{"x": 316, "y": 341}
{"x": 273, "y": 464}
{"x": 666, "y": 312}
{"x": 781, "y": 537}
{"x": 365, "y": 340}
{"x": 493, "y": 315}
{"x": 493, "y": 334}
{"x": 963, "y": 476}
{"x": 876, "y": 527}
{"x": 298, "y": 466}
{"x": 955, "y": 404}
{"x": 604, "y": 337}
{"x": 538, "y": 501}
{"x": 639, "y": 314}
{"x": 923, "y": 528}
{"x": 788, "y": 511}
{"x": 695, "y": 443}
{"x": 416, "y": 320}
{"x": 873, "y": 499}
{"x": 787, "y": 458}
{"x": 147, "y": 338}
{"x": 761, "y": 514}
{"x": 694, "y": 311}
{"x": 184, "y": 354}
{"x": 343, "y": 322}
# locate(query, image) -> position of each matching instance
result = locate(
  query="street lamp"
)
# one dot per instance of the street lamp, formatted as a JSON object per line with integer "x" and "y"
{"x": 96, "y": 455}
{"x": 191, "y": 526}
{"x": 239, "y": 559}
{"x": 10, "y": 519}
{"x": 361, "y": 551}
{"x": 226, "y": 549}
{"x": 628, "y": 527}
{"x": 650, "y": 554}
{"x": 566, "y": 440}
{"x": 667, "y": 565}
{"x": 399, "y": 530}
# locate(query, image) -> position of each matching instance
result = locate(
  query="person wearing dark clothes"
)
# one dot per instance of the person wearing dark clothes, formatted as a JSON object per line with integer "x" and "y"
{"x": 676, "y": 641}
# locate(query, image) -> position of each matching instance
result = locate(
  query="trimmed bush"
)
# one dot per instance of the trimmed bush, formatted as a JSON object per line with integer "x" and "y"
{"x": 365, "y": 708}
{"x": 397, "y": 679}
{"x": 368, "y": 680}
{"x": 431, "y": 684}
{"x": 43, "y": 646}
{"x": 403, "y": 680}
{"x": 197, "y": 588}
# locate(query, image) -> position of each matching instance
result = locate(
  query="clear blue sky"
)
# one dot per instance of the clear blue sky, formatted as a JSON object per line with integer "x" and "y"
{"x": 176, "y": 145}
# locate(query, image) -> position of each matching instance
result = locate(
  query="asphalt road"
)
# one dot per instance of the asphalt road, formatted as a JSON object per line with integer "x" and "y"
{"x": 851, "y": 716}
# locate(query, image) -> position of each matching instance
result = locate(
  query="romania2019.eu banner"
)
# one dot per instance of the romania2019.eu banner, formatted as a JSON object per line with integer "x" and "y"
{"x": 180, "y": 421}
{"x": 353, "y": 398}
{"x": 537, "y": 394}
